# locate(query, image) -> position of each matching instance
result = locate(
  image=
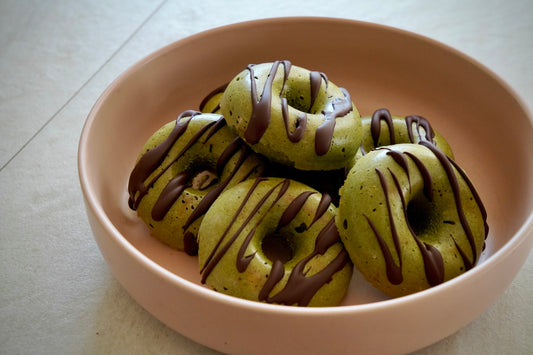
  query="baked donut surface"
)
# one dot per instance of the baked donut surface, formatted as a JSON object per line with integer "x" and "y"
{"x": 274, "y": 240}
{"x": 410, "y": 218}
{"x": 182, "y": 169}
{"x": 293, "y": 116}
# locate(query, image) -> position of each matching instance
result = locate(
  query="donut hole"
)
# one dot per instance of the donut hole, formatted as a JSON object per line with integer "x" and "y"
{"x": 420, "y": 215}
{"x": 298, "y": 101}
{"x": 277, "y": 247}
{"x": 297, "y": 93}
{"x": 202, "y": 175}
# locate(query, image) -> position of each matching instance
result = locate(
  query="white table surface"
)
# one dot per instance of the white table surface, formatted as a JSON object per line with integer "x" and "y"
{"x": 57, "y": 295}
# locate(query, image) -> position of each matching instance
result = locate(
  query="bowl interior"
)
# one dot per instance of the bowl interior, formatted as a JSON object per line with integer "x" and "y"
{"x": 489, "y": 131}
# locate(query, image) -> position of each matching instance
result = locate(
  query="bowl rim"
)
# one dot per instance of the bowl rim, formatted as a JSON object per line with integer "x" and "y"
{"x": 518, "y": 238}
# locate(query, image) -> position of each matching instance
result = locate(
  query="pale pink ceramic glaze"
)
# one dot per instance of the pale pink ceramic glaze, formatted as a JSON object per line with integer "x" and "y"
{"x": 487, "y": 126}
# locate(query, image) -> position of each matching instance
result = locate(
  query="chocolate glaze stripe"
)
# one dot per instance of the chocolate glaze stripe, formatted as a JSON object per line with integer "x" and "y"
{"x": 392, "y": 270}
{"x": 401, "y": 160}
{"x": 433, "y": 262}
{"x": 213, "y": 257}
{"x": 383, "y": 115}
{"x": 232, "y": 148}
{"x": 301, "y": 288}
{"x": 169, "y": 195}
{"x": 260, "y": 118}
{"x": 297, "y": 204}
{"x": 426, "y": 176}
{"x": 315, "y": 79}
{"x": 221, "y": 122}
{"x": 209, "y": 96}
{"x": 328, "y": 236}
{"x": 190, "y": 244}
{"x": 301, "y": 123}
{"x": 153, "y": 158}
{"x": 375, "y": 125}
{"x": 276, "y": 275}
{"x": 323, "y": 206}
{"x": 474, "y": 193}
{"x": 324, "y": 132}
{"x": 432, "y": 259}
{"x": 419, "y": 121}
{"x": 294, "y": 207}
{"x": 452, "y": 178}
{"x": 217, "y": 254}
{"x": 212, "y": 195}
{"x": 468, "y": 264}
{"x": 244, "y": 261}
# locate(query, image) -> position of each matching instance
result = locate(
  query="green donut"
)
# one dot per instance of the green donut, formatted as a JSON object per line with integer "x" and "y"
{"x": 293, "y": 116}
{"x": 274, "y": 240}
{"x": 410, "y": 218}
{"x": 182, "y": 169}
{"x": 383, "y": 129}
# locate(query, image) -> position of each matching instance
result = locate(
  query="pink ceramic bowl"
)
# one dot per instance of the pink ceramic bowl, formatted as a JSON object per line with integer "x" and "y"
{"x": 483, "y": 120}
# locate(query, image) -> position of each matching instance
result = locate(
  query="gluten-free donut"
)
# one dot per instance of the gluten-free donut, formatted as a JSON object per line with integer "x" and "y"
{"x": 410, "y": 218}
{"x": 274, "y": 240}
{"x": 182, "y": 169}
{"x": 293, "y": 116}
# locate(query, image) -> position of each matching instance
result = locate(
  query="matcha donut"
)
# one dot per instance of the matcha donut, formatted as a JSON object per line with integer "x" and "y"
{"x": 384, "y": 129}
{"x": 410, "y": 218}
{"x": 274, "y": 240}
{"x": 293, "y": 116}
{"x": 182, "y": 169}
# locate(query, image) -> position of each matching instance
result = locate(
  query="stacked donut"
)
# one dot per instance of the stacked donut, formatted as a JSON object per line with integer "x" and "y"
{"x": 281, "y": 187}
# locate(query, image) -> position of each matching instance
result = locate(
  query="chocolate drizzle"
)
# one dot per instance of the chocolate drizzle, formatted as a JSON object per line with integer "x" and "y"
{"x": 212, "y": 195}
{"x": 209, "y": 96}
{"x": 432, "y": 259}
{"x": 301, "y": 123}
{"x": 394, "y": 272}
{"x": 418, "y": 122}
{"x": 315, "y": 79}
{"x": 190, "y": 244}
{"x": 169, "y": 195}
{"x": 293, "y": 209}
{"x": 375, "y": 125}
{"x": 324, "y": 132}
{"x": 261, "y": 109}
{"x": 449, "y": 165}
{"x": 413, "y": 123}
{"x": 151, "y": 161}
{"x": 300, "y": 287}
